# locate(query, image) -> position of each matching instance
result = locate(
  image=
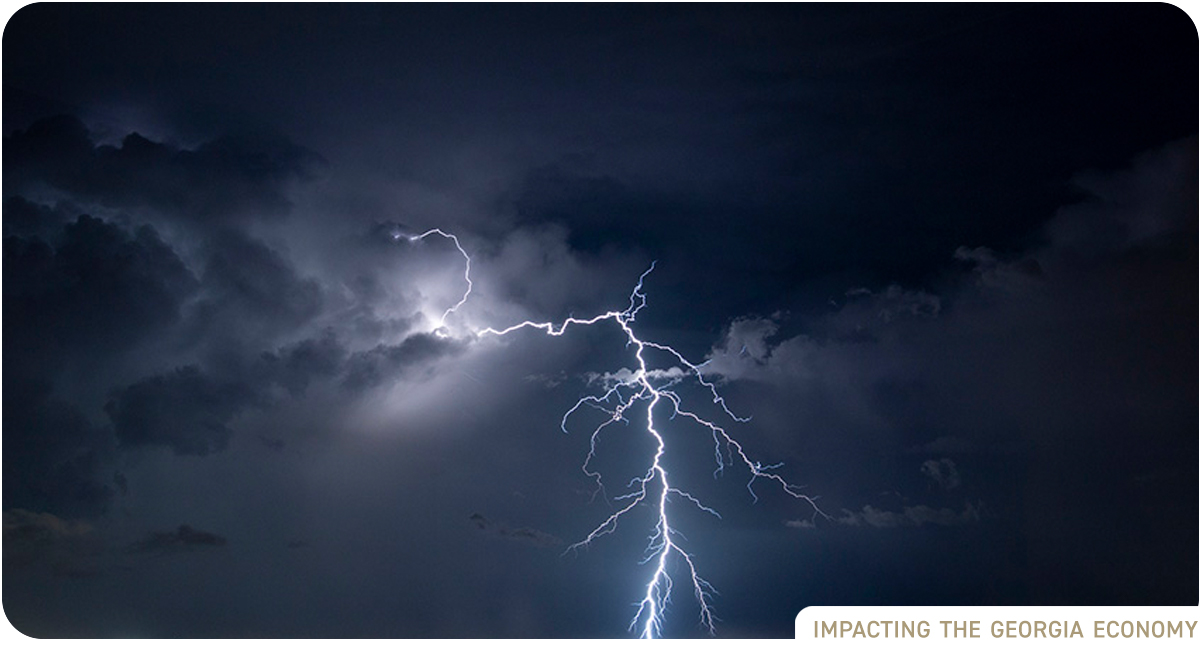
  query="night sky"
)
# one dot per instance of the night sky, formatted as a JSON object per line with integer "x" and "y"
{"x": 944, "y": 257}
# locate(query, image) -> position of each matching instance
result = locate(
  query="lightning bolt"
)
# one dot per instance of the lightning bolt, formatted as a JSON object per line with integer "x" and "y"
{"x": 654, "y": 388}
{"x": 398, "y": 235}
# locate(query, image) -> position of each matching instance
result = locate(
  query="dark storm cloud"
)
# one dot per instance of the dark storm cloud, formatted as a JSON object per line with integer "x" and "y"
{"x": 52, "y": 453}
{"x": 35, "y": 527}
{"x": 296, "y": 365}
{"x": 67, "y": 548}
{"x": 183, "y": 538}
{"x": 191, "y": 409}
{"x": 90, "y": 289}
{"x": 216, "y": 182}
{"x": 84, "y": 290}
{"x": 524, "y": 535}
{"x": 1151, "y": 204}
{"x": 186, "y": 410}
{"x": 23, "y": 217}
{"x": 70, "y": 548}
{"x": 912, "y": 516}
{"x": 372, "y": 367}
{"x": 111, "y": 299}
{"x": 250, "y": 291}
{"x": 1065, "y": 300}
{"x": 908, "y": 516}
{"x": 1064, "y": 370}
{"x": 97, "y": 287}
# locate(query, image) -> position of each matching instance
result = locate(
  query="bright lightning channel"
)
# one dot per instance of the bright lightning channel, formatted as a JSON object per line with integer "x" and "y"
{"x": 654, "y": 485}
{"x": 398, "y": 235}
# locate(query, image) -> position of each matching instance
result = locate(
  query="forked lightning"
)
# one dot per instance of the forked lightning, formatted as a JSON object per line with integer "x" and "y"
{"x": 653, "y": 389}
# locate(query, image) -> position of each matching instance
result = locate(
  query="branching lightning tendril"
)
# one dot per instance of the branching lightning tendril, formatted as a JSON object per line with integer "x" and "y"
{"x": 398, "y": 235}
{"x": 653, "y": 485}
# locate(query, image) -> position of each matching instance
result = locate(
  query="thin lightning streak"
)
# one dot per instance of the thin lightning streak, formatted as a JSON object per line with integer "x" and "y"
{"x": 397, "y": 235}
{"x": 654, "y": 484}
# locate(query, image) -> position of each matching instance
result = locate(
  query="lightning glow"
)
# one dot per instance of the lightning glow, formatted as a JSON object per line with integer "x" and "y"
{"x": 398, "y": 235}
{"x": 654, "y": 485}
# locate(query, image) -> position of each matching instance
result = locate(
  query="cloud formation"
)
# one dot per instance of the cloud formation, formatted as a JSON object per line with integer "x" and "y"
{"x": 67, "y": 548}
{"x": 184, "y": 409}
{"x": 127, "y": 283}
{"x": 911, "y": 516}
{"x": 908, "y": 516}
{"x": 183, "y": 538}
{"x": 943, "y": 472}
{"x": 217, "y": 182}
{"x": 54, "y": 455}
{"x": 525, "y": 535}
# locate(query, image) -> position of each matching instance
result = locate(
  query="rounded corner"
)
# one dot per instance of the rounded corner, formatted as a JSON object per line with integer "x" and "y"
{"x": 7, "y": 636}
{"x": 19, "y": 11}
{"x": 1183, "y": 8}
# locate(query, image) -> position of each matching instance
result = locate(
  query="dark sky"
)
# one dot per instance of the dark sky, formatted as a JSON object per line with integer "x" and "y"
{"x": 945, "y": 258}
